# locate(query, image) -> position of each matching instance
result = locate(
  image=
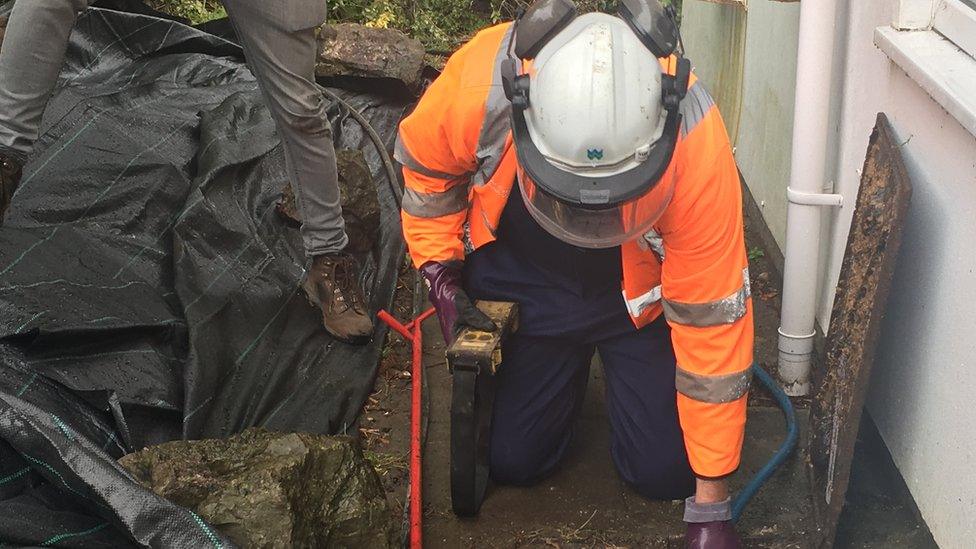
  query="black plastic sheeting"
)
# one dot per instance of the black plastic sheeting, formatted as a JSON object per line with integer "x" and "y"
{"x": 149, "y": 290}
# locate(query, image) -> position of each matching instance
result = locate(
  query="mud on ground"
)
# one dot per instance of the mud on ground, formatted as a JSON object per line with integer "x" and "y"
{"x": 385, "y": 421}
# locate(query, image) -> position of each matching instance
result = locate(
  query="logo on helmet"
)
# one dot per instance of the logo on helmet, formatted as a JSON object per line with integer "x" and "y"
{"x": 594, "y": 154}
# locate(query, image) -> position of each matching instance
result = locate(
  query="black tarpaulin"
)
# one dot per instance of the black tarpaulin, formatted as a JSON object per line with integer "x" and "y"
{"x": 148, "y": 289}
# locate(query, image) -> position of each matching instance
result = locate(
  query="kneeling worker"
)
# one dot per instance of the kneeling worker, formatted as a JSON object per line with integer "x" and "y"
{"x": 574, "y": 166}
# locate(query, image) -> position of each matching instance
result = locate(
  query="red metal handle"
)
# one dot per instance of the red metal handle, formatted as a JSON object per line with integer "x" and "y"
{"x": 412, "y": 333}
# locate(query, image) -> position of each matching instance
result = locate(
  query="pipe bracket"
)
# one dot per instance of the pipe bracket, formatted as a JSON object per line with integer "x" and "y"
{"x": 813, "y": 199}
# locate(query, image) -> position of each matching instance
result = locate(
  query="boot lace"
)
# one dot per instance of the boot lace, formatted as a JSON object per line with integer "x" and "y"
{"x": 345, "y": 284}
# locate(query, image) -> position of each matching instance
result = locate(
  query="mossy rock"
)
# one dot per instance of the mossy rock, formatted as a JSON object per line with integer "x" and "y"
{"x": 266, "y": 489}
{"x": 360, "y": 207}
{"x": 351, "y": 50}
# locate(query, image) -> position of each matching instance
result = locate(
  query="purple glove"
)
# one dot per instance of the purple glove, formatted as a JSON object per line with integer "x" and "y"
{"x": 454, "y": 307}
{"x": 710, "y": 525}
{"x": 712, "y": 535}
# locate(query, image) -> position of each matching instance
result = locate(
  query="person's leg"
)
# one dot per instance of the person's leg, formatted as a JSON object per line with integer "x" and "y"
{"x": 280, "y": 47}
{"x": 282, "y": 57}
{"x": 31, "y": 58}
{"x": 647, "y": 444}
{"x": 539, "y": 390}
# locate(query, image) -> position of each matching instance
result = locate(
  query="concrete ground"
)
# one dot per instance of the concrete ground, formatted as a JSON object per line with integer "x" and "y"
{"x": 585, "y": 504}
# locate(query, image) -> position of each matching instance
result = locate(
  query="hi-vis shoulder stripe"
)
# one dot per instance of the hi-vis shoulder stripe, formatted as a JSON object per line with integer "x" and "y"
{"x": 496, "y": 123}
{"x": 694, "y": 107}
{"x": 712, "y": 313}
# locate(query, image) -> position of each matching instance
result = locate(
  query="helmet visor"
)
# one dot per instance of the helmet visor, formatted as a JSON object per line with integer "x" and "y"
{"x": 597, "y": 228}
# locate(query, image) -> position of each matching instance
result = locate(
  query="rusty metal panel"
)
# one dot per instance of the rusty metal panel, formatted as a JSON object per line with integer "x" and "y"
{"x": 859, "y": 306}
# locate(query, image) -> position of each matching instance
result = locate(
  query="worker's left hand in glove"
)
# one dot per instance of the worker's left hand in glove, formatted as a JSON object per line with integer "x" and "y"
{"x": 454, "y": 308}
{"x": 710, "y": 525}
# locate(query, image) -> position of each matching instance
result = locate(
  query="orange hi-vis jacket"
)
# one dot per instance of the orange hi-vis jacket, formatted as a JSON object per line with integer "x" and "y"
{"x": 459, "y": 165}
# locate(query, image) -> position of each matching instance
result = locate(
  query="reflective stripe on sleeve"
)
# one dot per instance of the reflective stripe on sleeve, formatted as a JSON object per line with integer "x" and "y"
{"x": 403, "y": 156}
{"x": 656, "y": 242}
{"x": 712, "y": 313}
{"x": 694, "y": 107}
{"x": 713, "y": 389}
{"x": 637, "y": 305}
{"x": 496, "y": 123}
{"x": 430, "y": 205}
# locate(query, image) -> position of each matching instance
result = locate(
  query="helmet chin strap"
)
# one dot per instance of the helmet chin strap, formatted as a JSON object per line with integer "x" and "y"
{"x": 516, "y": 85}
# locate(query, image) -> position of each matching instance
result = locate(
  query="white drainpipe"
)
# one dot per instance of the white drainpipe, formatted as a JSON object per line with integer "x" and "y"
{"x": 811, "y": 117}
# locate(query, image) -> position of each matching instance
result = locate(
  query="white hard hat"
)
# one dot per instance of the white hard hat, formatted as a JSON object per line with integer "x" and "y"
{"x": 595, "y": 120}
{"x": 595, "y": 98}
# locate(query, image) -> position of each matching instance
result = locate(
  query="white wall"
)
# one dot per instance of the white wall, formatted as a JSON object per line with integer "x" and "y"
{"x": 924, "y": 381}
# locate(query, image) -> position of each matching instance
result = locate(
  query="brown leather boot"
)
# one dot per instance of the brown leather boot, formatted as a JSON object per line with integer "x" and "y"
{"x": 10, "y": 171}
{"x": 332, "y": 284}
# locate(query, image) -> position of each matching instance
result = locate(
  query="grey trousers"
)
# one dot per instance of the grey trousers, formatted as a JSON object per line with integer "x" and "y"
{"x": 279, "y": 44}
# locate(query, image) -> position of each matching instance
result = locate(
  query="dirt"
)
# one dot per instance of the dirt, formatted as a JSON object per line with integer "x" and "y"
{"x": 766, "y": 285}
{"x": 879, "y": 512}
{"x": 385, "y": 421}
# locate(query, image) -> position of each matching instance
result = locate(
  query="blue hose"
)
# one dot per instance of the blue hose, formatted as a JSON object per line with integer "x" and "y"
{"x": 792, "y": 436}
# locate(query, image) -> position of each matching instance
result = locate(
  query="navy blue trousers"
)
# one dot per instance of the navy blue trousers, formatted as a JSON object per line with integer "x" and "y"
{"x": 564, "y": 319}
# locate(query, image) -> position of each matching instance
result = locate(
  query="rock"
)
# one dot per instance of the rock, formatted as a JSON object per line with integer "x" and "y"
{"x": 351, "y": 50}
{"x": 360, "y": 207}
{"x": 3, "y": 27}
{"x": 265, "y": 489}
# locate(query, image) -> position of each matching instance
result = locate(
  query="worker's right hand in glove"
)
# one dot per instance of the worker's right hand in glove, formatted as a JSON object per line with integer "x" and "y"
{"x": 454, "y": 308}
{"x": 710, "y": 525}
{"x": 712, "y": 535}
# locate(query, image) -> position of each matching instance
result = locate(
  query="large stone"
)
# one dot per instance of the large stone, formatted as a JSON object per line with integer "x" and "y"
{"x": 351, "y": 50}
{"x": 266, "y": 489}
